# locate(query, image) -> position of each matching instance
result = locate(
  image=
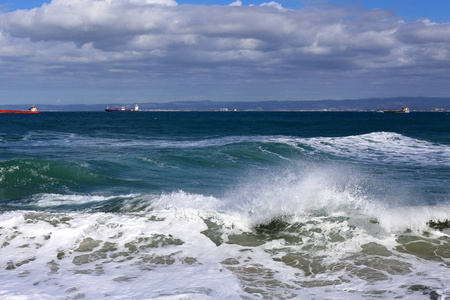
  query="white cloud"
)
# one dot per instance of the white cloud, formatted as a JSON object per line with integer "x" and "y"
{"x": 236, "y": 3}
{"x": 274, "y": 5}
{"x": 424, "y": 32}
{"x": 157, "y": 40}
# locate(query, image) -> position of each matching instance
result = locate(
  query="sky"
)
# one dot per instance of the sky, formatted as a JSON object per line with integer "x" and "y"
{"x": 127, "y": 51}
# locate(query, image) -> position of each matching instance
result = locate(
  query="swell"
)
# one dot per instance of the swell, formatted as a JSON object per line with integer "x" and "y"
{"x": 275, "y": 167}
{"x": 25, "y": 177}
{"x": 376, "y": 146}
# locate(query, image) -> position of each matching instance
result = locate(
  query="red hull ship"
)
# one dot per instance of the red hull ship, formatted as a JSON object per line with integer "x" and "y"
{"x": 31, "y": 110}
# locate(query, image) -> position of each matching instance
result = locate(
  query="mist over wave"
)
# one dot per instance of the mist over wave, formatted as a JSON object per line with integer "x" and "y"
{"x": 316, "y": 191}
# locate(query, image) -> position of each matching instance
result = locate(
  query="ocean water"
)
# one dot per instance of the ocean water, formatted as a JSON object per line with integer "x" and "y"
{"x": 225, "y": 205}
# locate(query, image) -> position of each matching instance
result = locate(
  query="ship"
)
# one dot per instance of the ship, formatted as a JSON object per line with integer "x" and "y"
{"x": 31, "y": 110}
{"x": 136, "y": 108}
{"x": 404, "y": 110}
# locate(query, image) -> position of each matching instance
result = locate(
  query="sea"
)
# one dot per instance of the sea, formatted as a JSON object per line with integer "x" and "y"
{"x": 225, "y": 205}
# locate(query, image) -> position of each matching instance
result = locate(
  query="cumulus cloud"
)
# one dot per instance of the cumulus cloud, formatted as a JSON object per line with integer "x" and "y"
{"x": 236, "y": 3}
{"x": 154, "y": 42}
{"x": 273, "y": 4}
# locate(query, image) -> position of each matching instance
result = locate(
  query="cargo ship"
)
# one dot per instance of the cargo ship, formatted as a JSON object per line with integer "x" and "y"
{"x": 404, "y": 110}
{"x": 31, "y": 110}
{"x": 136, "y": 108}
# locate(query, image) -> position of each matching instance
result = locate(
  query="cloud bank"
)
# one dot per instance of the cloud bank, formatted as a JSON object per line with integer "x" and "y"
{"x": 110, "y": 50}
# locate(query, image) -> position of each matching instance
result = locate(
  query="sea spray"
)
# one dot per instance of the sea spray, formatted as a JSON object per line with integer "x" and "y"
{"x": 301, "y": 189}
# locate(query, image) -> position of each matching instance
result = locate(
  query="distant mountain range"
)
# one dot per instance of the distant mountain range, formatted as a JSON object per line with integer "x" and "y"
{"x": 369, "y": 104}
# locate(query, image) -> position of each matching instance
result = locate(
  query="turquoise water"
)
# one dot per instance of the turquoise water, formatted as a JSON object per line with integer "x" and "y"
{"x": 225, "y": 205}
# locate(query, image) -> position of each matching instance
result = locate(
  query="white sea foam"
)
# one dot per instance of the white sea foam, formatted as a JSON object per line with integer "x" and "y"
{"x": 46, "y": 139}
{"x": 56, "y": 263}
{"x": 381, "y": 146}
{"x": 49, "y": 200}
{"x": 415, "y": 218}
{"x": 162, "y": 254}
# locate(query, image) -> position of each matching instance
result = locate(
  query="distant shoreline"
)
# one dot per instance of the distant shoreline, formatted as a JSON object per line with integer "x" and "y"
{"x": 241, "y": 111}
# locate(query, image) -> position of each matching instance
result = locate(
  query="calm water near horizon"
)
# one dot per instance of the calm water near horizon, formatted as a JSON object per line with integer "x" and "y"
{"x": 225, "y": 205}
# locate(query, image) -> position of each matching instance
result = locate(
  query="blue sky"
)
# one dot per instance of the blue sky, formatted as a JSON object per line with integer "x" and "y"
{"x": 435, "y": 10}
{"x": 98, "y": 51}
